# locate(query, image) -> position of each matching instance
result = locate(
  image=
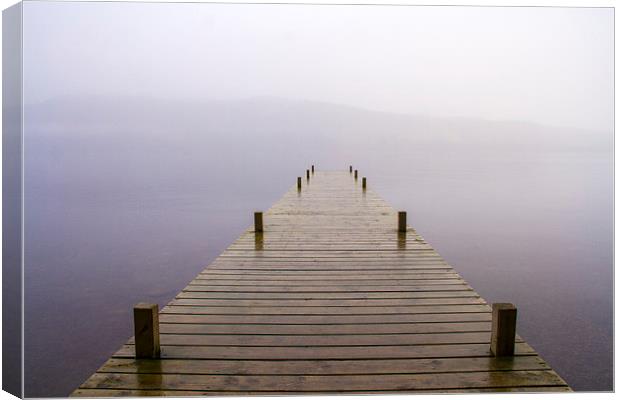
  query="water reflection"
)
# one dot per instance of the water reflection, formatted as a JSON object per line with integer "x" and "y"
{"x": 258, "y": 240}
{"x": 401, "y": 240}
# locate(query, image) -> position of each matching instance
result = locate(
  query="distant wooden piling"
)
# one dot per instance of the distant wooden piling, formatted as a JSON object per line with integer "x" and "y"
{"x": 402, "y": 221}
{"x": 364, "y": 183}
{"x": 299, "y": 183}
{"x": 350, "y": 168}
{"x": 355, "y": 175}
{"x": 308, "y": 174}
{"x": 313, "y": 168}
{"x": 146, "y": 330}
{"x": 258, "y": 221}
{"x": 503, "y": 329}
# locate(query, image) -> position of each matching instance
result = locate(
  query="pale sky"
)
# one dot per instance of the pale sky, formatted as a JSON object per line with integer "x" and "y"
{"x": 546, "y": 65}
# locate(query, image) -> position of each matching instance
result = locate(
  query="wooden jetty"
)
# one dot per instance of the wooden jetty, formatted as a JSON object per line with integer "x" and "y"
{"x": 330, "y": 292}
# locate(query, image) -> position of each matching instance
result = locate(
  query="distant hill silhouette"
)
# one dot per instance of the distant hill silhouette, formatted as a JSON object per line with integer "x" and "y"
{"x": 109, "y": 145}
{"x": 277, "y": 124}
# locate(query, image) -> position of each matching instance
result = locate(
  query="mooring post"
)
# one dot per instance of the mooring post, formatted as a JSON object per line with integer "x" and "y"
{"x": 308, "y": 174}
{"x": 355, "y": 175}
{"x": 364, "y": 183}
{"x": 299, "y": 183}
{"x": 350, "y": 168}
{"x": 503, "y": 329}
{"x": 258, "y": 221}
{"x": 402, "y": 221}
{"x": 312, "y": 168}
{"x": 146, "y": 330}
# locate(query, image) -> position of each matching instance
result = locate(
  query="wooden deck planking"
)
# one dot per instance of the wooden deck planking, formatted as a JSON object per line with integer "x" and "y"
{"x": 330, "y": 298}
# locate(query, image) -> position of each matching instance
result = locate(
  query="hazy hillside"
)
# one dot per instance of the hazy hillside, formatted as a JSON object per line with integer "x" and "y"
{"x": 261, "y": 119}
{"x": 135, "y": 141}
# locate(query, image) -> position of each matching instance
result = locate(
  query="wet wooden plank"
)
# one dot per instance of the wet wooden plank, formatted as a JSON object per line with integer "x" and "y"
{"x": 311, "y": 310}
{"x": 326, "y": 329}
{"x": 365, "y": 303}
{"x": 324, "y": 383}
{"x": 324, "y": 319}
{"x": 324, "y": 340}
{"x": 325, "y": 353}
{"x": 322, "y": 277}
{"x": 240, "y": 295}
{"x": 330, "y": 288}
{"x": 323, "y": 367}
{"x": 325, "y": 282}
{"x": 189, "y": 393}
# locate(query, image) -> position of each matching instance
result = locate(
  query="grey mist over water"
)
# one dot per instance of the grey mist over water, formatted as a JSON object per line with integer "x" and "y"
{"x": 147, "y": 152}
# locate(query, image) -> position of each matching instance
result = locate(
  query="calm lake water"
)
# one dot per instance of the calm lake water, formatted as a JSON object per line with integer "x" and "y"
{"x": 112, "y": 222}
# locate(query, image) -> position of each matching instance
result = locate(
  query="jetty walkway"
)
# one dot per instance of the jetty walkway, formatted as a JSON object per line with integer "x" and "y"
{"x": 329, "y": 298}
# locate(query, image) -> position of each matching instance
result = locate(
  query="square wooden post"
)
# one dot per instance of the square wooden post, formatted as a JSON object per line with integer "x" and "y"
{"x": 350, "y": 168}
{"x": 503, "y": 329}
{"x": 355, "y": 175}
{"x": 299, "y": 183}
{"x": 308, "y": 174}
{"x": 402, "y": 221}
{"x": 312, "y": 168}
{"x": 146, "y": 330}
{"x": 364, "y": 182}
{"x": 258, "y": 221}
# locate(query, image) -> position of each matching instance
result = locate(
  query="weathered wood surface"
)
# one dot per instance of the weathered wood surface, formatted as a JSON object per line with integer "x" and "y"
{"x": 329, "y": 298}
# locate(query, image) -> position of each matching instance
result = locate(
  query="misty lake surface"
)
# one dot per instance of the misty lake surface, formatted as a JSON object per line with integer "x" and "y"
{"x": 118, "y": 215}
